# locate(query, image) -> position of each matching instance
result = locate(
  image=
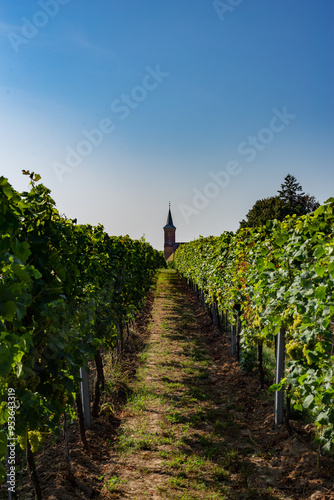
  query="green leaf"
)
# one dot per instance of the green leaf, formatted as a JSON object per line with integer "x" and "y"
{"x": 319, "y": 251}
{"x": 322, "y": 418}
{"x": 5, "y": 362}
{"x": 320, "y": 270}
{"x": 308, "y": 401}
{"x": 18, "y": 369}
{"x": 302, "y": 378}
{"x": 22, "y": 250}
{"x": 3, "y": 413}
{"x": 10, "y": 310}
{"x": 281, "y": 239}
{"x": 3, "y": 445}
{"x": 320, "y": 292}
{"x": 331, "y": 269}
{"x": 328, "y": 446}
{"x": 275, "y": 387}
{"x": 2, "y": 473}
{"x": 5, "y": 293}
{"x": 320, "y": 210}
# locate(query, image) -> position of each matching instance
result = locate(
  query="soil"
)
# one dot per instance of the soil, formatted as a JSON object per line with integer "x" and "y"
{"x": 184, "y": 422}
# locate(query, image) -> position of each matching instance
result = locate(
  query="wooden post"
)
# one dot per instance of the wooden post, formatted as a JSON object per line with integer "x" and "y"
{"x": 215, "y": 316}
{"x": 260, "y": 362}
{"x": 218, "y": 316}
{"x": 238, "y": 330}
{"x": 84, "y": 387}
{"x": 202, "y": 299}
{"x": 120, "y": 335}
{"x": 222, "y": 321}
{"x": 67, "y": 445}
{"x": 226, "y": 320}
{"x": 279, "y": 395}
{"x": 233, "y": 343}
{"x": 32, "y": 472}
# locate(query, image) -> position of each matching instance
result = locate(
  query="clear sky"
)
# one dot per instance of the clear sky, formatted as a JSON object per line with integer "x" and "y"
{"x": 124, "y": 105}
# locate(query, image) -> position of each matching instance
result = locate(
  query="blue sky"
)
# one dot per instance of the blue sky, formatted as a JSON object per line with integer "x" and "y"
{"x": 124, "y": 105}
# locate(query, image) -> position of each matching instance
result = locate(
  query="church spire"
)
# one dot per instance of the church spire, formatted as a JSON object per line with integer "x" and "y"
{"x": 169, "y": 222}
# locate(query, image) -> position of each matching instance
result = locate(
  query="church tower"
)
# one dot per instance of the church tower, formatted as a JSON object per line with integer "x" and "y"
{"x": 169, "y": 230}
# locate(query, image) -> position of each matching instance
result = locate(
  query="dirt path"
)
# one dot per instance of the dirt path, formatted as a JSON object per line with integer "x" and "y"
{"x": 185, "y": 424}
{"x": 197, "y": 428}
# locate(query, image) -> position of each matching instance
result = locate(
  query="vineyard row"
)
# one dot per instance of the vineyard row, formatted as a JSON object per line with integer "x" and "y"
{"x": 66, "y": 291}
{"x": 277, "y": 281}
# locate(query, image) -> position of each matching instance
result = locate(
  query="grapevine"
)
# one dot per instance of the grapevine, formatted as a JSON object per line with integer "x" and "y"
{"x": 282, "y": 276}
{"x": 64, "y": 287}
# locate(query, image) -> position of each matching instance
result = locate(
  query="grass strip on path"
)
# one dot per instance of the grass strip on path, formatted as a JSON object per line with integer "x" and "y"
{"x": 178, "y": 436}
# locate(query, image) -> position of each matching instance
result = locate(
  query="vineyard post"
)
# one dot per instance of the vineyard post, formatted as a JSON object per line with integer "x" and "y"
{"x": 32, "y": 472}
{"x": 225, "y": 319}
{"x": 238, "y": 330}
{"x": 202, "y": 299}
{"x": 280, "y": 355}
{"x": 215, "y": 316}
{"x": 67, "y": 445}
{"x": 120, "y": 337}
{"x": 127, "y": 332}
{"x": 85, "y": 397}
{"x": 233, "y": 346}
{"x": 196, "y": 290}
{"x": 118, "y": 342}
{"x": 210, "y": 310}
{"x": 260, "y": 362}
{"x": 99, "y": 383}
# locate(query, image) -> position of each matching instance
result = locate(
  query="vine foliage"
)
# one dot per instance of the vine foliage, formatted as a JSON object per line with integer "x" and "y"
{"x": 281, "y": 274}
{"x": 64, "y": 288}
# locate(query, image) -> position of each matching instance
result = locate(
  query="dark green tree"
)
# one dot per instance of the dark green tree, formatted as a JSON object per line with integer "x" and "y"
{"x": 263, "y": 210}
{"x": 290, "y": 200}
{"x": 294, "y": 200}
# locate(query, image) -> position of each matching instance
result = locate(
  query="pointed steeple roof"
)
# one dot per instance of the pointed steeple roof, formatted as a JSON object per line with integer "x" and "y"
{"x": 169, "y": 223}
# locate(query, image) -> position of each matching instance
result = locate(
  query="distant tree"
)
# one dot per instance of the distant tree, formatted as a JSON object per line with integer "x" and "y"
{"x": 310, "y": 203}
{"x": 290, "y": 200}
{"x": 290, "y": 189}
{"x": 263, "y": 210}
{"x": 294, "y": 200}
